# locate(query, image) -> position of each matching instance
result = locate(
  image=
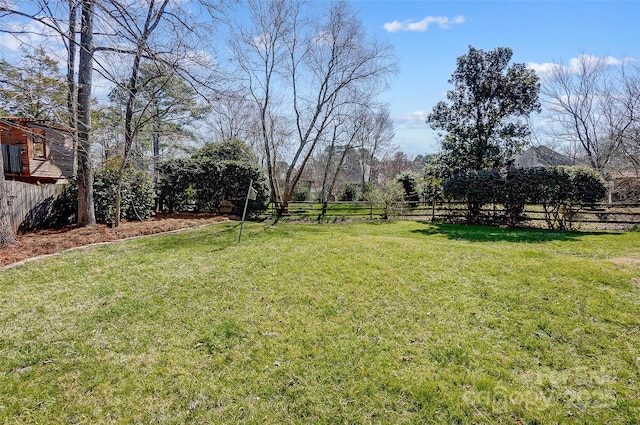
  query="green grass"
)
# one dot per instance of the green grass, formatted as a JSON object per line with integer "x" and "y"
{"x": 401, "y": 322}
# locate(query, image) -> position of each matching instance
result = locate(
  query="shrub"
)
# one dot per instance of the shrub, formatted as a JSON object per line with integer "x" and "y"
{"x": 475, "y": 188}
{"x": 175, "y": 186}
{"x": 408, "y": 182}
{"x": 138, "y": 198}
{"x": 349, "y": 193}
{"x": 390, "y": 196}
{"x": 562, "y": 191}
{"x": 202, "y": 184}
{"x": 515, "y": 192}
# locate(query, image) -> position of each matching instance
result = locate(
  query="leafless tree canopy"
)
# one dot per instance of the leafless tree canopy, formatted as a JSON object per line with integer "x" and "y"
{"x": 301, "y": 68}
{"x": 595, "y": 108}
{"x": 300, "y": 76}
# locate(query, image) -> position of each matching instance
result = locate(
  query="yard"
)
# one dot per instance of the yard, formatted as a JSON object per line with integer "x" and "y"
{"x": 403, "y": 322}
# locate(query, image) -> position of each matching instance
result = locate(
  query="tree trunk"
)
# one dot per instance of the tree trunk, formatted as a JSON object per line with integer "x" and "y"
{"x": 131, "y": 129}
{"x": 156, "y": 158}
{"x": 6, "y": 231}
{"x": 86, "y": 209}
{"x": 71, "y": 67}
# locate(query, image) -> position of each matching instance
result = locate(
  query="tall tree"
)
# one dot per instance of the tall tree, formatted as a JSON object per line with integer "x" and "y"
{"x": 483, "y": 124}
{"x": 374, "y": 140}
{"x": 166, "y": 106}
{"x": 32, "y": 87}
{"x": 300, "y": 68}
{"x": 594, "y": 107}
{"x": 86, "y": 207}
{"x": 118, "y": 23}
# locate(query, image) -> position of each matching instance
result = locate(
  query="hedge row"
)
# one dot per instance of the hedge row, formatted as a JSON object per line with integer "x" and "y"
{"x": 138, "y": 197}
{"x": 201, "y": 184}
{"x": 561, "y": 191}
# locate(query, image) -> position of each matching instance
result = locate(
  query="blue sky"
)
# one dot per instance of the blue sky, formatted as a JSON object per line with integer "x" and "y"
{"x": 428, "y": 36}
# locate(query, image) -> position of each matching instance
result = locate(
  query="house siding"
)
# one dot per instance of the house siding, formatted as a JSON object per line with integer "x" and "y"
{"x": 59, "y": 160}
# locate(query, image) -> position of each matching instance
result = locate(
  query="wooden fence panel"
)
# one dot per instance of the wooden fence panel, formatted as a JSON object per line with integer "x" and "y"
{"x": 604, "y": 216}
{"x": 31, "y": 205}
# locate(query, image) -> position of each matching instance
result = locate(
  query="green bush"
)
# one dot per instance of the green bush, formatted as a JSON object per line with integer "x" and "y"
{"x": 349, "y": 193}
{"x": 390, "y": 195}
{"x": 66, "y": 205}
{"x": 515, "y": 192}
{"x": 138, "y": 198}
{"x": 229, "y": 180}
{"x": 408, "y": 182}
{"x": 562, "y": 191}
{"x": 476, "y": 189}
{"x": 202, "y": 183}
{"x": 175, "y": 187}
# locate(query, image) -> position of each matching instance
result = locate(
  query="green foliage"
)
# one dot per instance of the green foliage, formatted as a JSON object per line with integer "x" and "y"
{"x": 367, "y": 188}
{"x": 390, "y": 195}
{"x": 483, "y": 124}
{"x": 138, "y": 198}
{"x": 349, "y": 193}
{"x": 166, "y": 104}
{"x": 229, "y": 150}
{"x": 301, "y": 194}
{"x": 517, "y": 189}
{"x": 66, "y": 205}
{"x": 33, "y": 88}
{"x": 202, "y": 183}
{"x": 477, "y": 188}
{"x": 229, "y": 180}
{"x": 175, "y": 186}
{"x": 561, "y": 191}
{"x": 409, "y": 184}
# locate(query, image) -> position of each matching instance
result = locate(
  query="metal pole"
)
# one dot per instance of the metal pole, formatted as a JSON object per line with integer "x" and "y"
{"x": 244, "y": 213}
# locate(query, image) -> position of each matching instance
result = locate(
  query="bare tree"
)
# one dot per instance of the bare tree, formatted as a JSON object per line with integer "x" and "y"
{"x": 375, "y": 140}
{"x": 234, "y": 116}
{"x": 593, "y": 107}
{"x": 120, "y": 31}
{"x": 41, "y": 12}
{"x": 627, "y": 121}
{"x": 297, "y": 67}
{"x": 346, "y": 128}
{"x": 86, "y": 208}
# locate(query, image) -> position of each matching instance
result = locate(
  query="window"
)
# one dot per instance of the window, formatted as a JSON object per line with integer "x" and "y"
{"x": 39, "y": 145}
{"x": 12, "y": 162}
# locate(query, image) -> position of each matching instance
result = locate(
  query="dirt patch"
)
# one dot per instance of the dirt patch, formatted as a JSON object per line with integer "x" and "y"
{"x": 632, "y": 261}
{"x": 45, "y": 242}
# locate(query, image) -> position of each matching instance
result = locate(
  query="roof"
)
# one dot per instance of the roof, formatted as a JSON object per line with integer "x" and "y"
{"x": 12, "y": 121}
{"x": 542, "y": 156}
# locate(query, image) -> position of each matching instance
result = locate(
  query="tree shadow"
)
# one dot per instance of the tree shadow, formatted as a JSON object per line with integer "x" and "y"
{"x": 498, "y": 234}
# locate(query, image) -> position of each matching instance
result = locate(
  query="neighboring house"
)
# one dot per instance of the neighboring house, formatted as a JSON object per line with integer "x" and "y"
{"x": 36, "y": 151}
{"x": 542, "y": 156}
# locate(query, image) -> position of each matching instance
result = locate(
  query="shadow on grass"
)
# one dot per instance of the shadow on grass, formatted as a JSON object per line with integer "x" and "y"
{"x": 497, "y": 234}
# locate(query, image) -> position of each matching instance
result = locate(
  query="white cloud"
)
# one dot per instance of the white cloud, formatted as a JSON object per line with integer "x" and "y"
{"x": 443, "y": 22}
{"x": 412, "y": 120}
{"x": 544, "y": 69}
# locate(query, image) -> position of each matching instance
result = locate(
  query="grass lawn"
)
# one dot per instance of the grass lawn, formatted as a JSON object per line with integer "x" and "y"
{"x": 401, "y": 322}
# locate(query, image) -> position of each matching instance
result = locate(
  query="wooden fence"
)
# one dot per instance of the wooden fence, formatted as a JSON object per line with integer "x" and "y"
{"x": 602, "y": 216}
{"x": 31, "y": 206}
